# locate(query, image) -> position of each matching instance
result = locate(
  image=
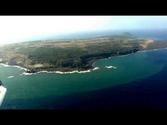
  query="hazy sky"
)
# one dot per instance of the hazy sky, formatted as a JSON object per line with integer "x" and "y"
{"x": 23, "y": 28}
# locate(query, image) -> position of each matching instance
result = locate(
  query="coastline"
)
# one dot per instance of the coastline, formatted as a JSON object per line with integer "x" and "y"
{"x": 60, "y": 72}
{"x": 74, "y": 71}
{"x": 45, "y": 71}
{"x": 147, "y": 50}
{"x": 16, "y": 66}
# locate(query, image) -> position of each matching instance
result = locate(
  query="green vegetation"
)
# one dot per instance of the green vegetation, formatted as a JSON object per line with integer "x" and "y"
{"x": 73, "y": 54}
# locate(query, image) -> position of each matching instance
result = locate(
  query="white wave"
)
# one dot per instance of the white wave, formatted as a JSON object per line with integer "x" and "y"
{"x": 4, "y": 65}
{"x": 151, "y": 50}
{"x": 60, "y": 72}
{"x": 43, "y": 72}
{"x": 109, "y": 67}
{"x": 10, "y": 77}
{"x": 75, "y": 71}
{"x": 96, "y": 68}
{"x": 19, "y": 67}
{"x": 84, "y": 71}
{"x": 25, "y": 73}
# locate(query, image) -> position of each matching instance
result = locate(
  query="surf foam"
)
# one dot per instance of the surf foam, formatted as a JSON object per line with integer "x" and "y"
{"x": 110, "y": 67}
{"x": 10, "y": 77}
{"x": 19, "y": 67}
{"x": 60, "y": 72}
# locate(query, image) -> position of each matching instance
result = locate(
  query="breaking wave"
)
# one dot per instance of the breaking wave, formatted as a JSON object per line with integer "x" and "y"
{"x": 59, "y": 72}
{"x": 110, "y": 67}
{"x": 19, "y": 67}
{"x": 10, "y": 77}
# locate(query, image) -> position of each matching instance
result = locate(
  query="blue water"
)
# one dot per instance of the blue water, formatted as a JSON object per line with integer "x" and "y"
{"x": 144, "y": 94}
{"x": 139, "y": 82}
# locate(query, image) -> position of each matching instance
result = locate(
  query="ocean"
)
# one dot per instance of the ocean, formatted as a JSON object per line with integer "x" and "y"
{"x": 138, "y": 79}
{"x": 134, "y": 81}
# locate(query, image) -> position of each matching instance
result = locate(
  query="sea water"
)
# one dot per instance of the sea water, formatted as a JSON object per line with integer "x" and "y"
{"x": 59, "y": 91}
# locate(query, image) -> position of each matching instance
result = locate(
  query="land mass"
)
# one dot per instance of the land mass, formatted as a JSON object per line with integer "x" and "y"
{"x": 70, "y": 55}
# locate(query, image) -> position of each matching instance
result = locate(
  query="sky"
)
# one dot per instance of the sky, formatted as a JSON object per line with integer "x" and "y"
{"x": 24, "y": 28}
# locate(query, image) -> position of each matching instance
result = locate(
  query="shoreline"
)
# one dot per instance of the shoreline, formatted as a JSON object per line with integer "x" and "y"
{"x": 148, "y": 50}
{"x": 60, "y": 72}
{"x": 45, "y": 71}
{"x": 74, "y": 71}
{"x": 16, "y": 66}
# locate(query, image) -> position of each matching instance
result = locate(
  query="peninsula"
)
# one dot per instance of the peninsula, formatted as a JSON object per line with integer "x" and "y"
{"x": 70, "y": 55}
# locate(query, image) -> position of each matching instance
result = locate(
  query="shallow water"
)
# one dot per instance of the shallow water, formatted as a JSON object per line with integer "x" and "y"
{"x": 50, "y": 90}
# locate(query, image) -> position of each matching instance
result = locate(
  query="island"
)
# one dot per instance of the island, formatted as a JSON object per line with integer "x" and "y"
{"x": 73, "y": 54}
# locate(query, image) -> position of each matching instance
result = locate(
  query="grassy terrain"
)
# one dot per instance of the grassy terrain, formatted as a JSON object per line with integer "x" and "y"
{"x": 72, "y": 54}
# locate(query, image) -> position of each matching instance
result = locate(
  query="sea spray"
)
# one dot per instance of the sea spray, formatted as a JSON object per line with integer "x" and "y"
{"x": 110, "y": 67}
{"x": 151, "y": 50}
{"x": 10, "y": 77}
{"x": 19, "y": 67}
{"x": 60, "y": 72}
